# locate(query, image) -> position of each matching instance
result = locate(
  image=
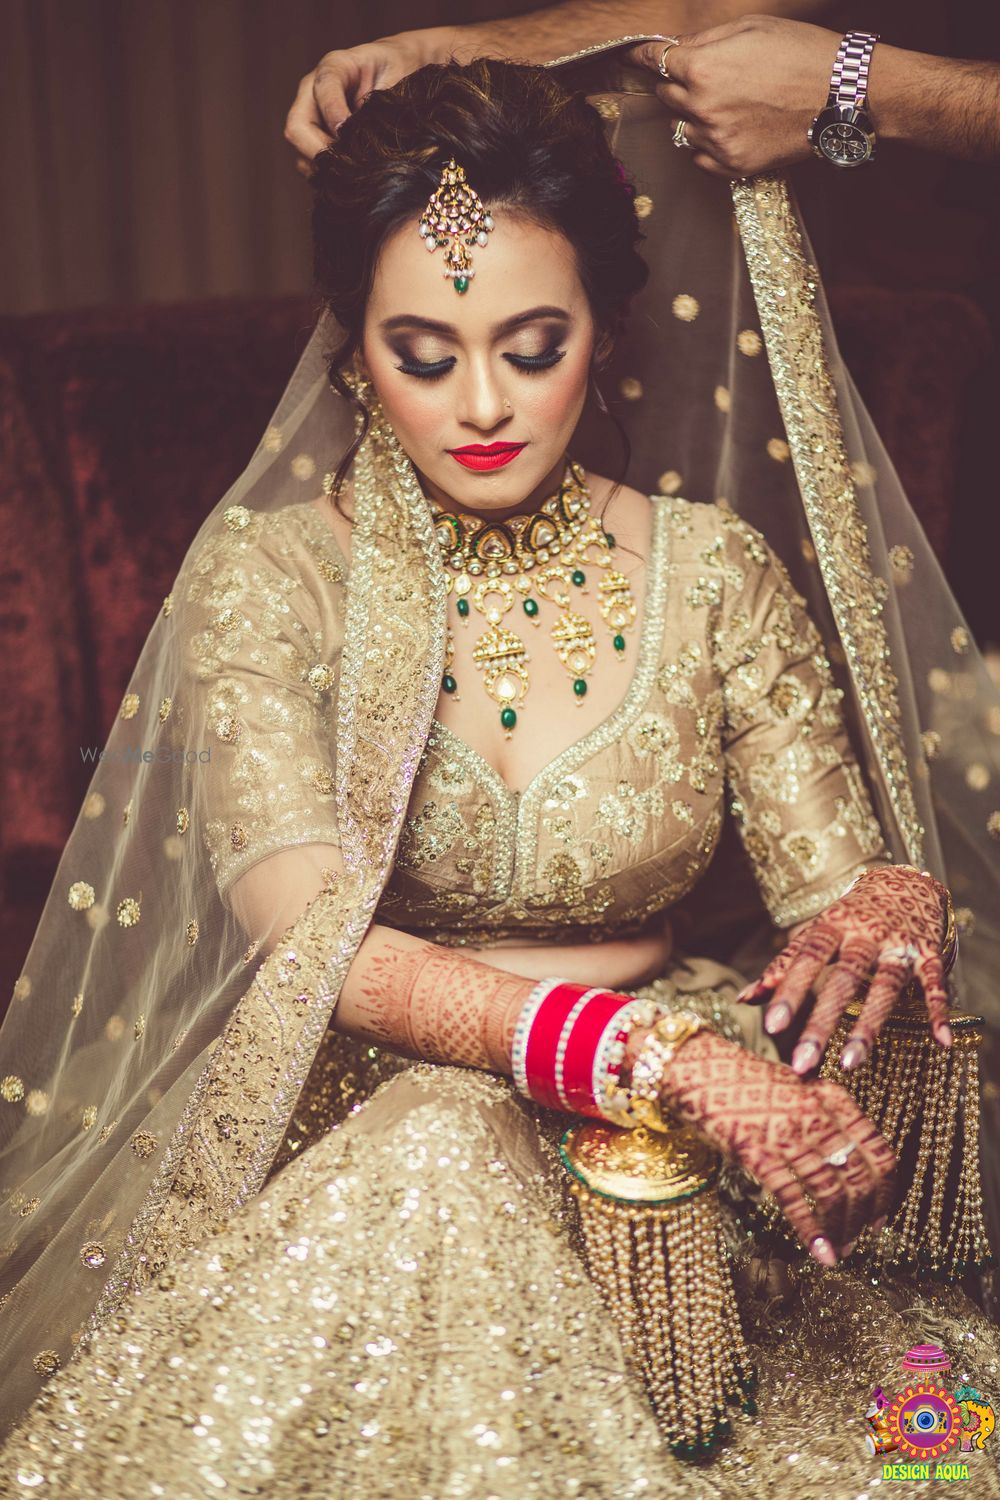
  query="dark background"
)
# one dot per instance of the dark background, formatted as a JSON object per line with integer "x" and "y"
{"x": 142, "y": 159}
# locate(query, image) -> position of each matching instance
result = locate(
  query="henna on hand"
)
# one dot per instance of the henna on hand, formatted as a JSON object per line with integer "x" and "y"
{"x": 884, "y": 932}
{"x": 436, "y": 1004}
{"x": 783, "y": 1128}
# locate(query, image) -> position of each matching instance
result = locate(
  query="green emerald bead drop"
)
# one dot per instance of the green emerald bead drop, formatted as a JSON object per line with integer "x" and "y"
{"x": 508, "y": 718}
{"x": 619, "y": 643}
{"x": 449, "y": 684}
{"x": 579, "y": 687}
{"x": 531, "y": 607}
{"x": 461, "y": 283}
{"x": 463, "y": 607}
{"x": 579, "y": 577}
{"x": 609, "y": 537}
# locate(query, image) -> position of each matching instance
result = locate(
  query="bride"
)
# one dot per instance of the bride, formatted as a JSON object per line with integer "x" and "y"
{"x": 308, "y": 1015}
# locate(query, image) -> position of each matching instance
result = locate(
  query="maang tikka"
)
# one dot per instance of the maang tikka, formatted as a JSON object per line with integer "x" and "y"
{"x": 455, "y": 217}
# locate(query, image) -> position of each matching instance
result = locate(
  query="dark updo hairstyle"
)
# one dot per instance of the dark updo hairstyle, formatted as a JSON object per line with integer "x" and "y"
{"x": 526, "y": 144}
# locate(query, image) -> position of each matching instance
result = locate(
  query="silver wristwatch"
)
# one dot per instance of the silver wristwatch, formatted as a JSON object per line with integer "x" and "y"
{"x": 843, "y": 132}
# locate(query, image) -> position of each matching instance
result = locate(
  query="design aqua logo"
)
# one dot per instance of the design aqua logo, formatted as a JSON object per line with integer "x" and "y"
{"x": 929, "y": 1427}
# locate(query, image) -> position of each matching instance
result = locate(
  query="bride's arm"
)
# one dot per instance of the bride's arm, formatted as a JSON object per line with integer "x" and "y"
{"x": 415, "y": 997}
{"x": 442, "y": 1005}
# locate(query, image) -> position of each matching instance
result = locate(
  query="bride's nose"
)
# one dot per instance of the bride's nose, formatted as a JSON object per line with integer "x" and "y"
{"x": 482, "y": 403}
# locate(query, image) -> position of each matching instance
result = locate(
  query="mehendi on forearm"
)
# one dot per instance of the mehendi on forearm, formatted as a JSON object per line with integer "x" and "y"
{"x": 430, "y": 1002}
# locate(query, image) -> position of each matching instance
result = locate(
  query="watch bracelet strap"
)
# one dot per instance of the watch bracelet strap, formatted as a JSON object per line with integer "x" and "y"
{"x": 849, "y": 80}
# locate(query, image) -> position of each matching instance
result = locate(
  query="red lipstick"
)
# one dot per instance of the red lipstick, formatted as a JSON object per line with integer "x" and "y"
{"x": 486, "y": 456}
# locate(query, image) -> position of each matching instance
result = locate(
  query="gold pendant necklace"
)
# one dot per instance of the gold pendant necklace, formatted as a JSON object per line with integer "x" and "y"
{"x": 492, "y": 564}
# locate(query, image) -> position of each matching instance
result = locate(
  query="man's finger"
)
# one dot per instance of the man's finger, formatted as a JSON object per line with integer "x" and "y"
{"x": 709, "y": 164}
{"x": 304, "y": 126}
{"x": 648, "y": 54}
{"x": 336, "y": 92}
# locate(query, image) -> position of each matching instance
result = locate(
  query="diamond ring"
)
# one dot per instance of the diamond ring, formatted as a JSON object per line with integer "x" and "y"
{"x": 680, "y": 137}
{"x": 905, "y": 953}
{"x": 839, "y": 1157}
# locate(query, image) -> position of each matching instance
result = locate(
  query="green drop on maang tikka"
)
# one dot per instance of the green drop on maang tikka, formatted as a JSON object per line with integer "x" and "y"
{"x": 456, "y": 218}
{"x": 492, "y": 564}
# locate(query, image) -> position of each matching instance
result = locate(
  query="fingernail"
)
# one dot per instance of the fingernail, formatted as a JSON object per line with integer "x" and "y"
{"x": 805, "y": 1054}
{"x": 853, "y": 1054}
{"x": 820, "y": 1249}
{"x": 943, "y": 1034}
{"x": 880, "y": 1224}
{"x": 777, "y": 1017}
{"x": 747, "y": 994}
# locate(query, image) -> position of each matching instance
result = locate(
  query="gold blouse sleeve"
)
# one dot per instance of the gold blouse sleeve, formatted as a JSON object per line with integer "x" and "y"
{"x": 795, "y": 788}
{"x": 265, "y": 606}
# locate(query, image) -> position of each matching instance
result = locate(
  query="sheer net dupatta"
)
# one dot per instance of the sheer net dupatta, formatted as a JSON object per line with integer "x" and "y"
{"x": 253, "y": 786}
{"x": 731, "y": 388}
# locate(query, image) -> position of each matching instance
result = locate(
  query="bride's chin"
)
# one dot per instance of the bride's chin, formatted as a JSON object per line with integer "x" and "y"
{"x": 498, "y": 491}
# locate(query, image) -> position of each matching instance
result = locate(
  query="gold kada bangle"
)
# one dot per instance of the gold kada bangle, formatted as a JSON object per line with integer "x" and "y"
{"x": 638, "y": 1102}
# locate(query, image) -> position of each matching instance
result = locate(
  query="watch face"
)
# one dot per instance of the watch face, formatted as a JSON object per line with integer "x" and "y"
{"x": 844, "y": 144}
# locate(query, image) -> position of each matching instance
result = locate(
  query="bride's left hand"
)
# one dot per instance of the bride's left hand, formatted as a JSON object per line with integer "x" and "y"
{"x": 885, "y": 931}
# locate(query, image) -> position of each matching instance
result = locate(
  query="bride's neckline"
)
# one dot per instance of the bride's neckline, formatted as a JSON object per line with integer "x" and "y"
{"x": 650, "y": 633}
{"x": 650, "y": 644}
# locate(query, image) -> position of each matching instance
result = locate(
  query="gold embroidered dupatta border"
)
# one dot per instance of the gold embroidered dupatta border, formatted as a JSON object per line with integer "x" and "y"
{"x": 241, "y": 1104}
{"x": 784, "y": 286}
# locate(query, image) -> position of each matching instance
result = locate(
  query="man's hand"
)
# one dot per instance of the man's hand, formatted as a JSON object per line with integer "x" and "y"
{"x": 749, "y": 89}
{"x": 340, "y": 80}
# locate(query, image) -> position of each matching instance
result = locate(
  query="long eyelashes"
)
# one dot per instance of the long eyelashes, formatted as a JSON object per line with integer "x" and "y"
{"x": 528, "y": 363}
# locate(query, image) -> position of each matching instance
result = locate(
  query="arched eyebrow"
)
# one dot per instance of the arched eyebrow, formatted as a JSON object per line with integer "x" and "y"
{"x": 432, "y": 325}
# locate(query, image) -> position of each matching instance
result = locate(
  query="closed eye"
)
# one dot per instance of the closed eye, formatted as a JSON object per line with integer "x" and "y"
{"x": 528, "y": 363}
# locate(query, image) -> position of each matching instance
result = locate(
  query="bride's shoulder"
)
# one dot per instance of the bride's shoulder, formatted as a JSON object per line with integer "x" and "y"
{"x": 290, "y": 544}
{"x": 626, "y": 512}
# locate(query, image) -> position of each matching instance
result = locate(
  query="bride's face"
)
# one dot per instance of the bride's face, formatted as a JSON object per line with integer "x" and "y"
{"x": 505, "y": 363}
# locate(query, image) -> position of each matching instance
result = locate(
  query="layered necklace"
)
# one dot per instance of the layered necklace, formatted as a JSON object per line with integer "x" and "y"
{"x": 494, "y": 565}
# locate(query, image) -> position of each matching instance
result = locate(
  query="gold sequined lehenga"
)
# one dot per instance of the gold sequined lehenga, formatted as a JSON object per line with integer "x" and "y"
{"x": 290, "y": 1264}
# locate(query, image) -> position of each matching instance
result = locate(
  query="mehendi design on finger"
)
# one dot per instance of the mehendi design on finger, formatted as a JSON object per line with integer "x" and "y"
{"x": 887, "y": 907}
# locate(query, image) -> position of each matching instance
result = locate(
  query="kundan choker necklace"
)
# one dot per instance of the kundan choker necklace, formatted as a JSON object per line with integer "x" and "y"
{"x": 545, "y": 556}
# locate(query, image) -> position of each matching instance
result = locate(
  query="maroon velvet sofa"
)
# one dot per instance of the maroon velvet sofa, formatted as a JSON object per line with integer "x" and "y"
{"x": 120, "y": 428}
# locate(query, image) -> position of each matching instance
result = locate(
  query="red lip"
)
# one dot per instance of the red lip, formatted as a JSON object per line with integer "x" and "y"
{"x": 486, "y": 455}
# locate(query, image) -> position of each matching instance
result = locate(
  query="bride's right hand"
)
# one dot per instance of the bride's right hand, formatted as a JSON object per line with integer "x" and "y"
{"x": 784, "y": 1130}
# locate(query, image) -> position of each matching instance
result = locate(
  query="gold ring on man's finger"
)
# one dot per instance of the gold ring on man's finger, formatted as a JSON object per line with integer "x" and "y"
{"x": 661, "y": 66}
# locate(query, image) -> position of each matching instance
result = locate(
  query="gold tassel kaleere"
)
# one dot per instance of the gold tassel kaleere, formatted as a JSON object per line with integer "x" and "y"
{"x": 653, "y": 1242}
{"x": 917, "y": 1093}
